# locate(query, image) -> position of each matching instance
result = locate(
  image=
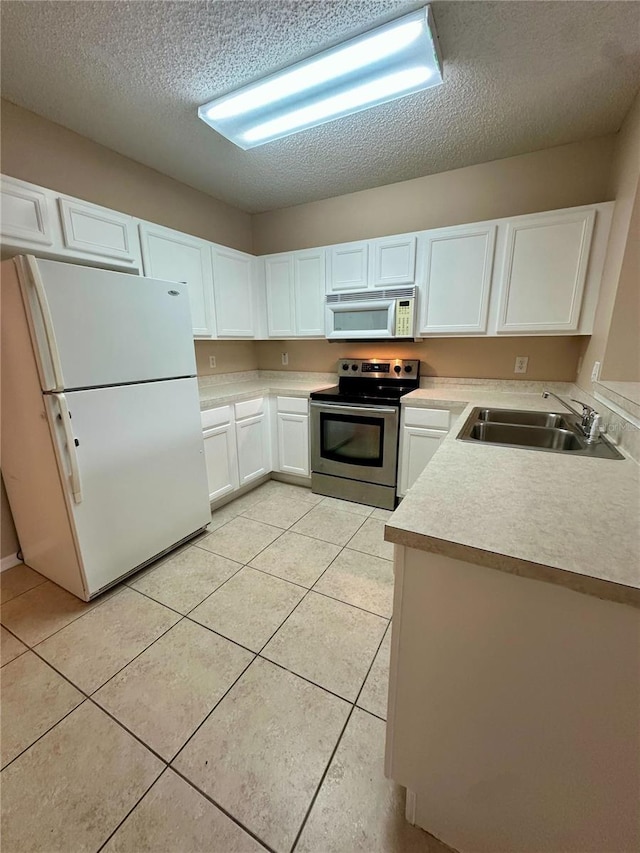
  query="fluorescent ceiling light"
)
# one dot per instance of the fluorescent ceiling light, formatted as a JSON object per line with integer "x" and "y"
{"x": 392, "y": 61}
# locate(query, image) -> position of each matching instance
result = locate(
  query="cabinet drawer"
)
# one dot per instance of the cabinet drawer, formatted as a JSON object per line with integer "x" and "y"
{"x": 248, "y": 408}
{"x": 434, "y": 418}
{"x": 295, "y": 405}
{"x": 216, "y": 417}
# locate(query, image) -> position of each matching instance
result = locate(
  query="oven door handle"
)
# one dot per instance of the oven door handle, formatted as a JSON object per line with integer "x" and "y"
{"x": 339, "y": 407}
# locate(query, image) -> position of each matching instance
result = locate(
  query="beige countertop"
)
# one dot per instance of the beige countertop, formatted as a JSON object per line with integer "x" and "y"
{"x": 568, "y": 520}
{"x": 233, "y": 392}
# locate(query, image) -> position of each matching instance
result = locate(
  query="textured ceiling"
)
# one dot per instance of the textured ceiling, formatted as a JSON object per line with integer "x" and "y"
{"x": 519, "y": 76}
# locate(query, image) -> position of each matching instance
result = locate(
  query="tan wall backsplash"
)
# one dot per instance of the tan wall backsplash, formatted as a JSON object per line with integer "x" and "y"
{"x": 550, "y": 358}
{"x": 565, "y": 176}
{"x": 41, "y": 152}
{"x": 231, "y": 356}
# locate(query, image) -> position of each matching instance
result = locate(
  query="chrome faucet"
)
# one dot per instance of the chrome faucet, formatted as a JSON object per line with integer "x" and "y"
{"x": 590, "y": 420}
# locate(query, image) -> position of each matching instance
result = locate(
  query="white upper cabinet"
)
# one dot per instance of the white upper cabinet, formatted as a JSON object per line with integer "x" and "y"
{"x": 459, "y": 263}
{"x": 309, "y": 288}
{"x": 543, "y": 271}
{"x": 280, "y": 297}
{"x": 348, "y": 267}
{"x": 91, "y": 230}
{"x": 174, "y": 256}
{"x": 26, "y": 218}
{"x": 294, "y": 286}
{"x": 394, "y": 261}
{"x": 233, "y": 293}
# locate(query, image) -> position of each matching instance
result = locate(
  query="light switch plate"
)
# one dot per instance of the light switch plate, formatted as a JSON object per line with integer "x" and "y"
{"x": 595, "y": 373}
{"x": 522, "y": 362}
{"x": 285, "y": 358}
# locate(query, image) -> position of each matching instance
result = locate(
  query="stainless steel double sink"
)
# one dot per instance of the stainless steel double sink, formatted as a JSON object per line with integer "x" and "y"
{"x": 557, "y": 433}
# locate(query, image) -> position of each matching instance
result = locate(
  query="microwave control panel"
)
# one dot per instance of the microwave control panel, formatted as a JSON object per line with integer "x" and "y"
{"x": 404, "y": 318}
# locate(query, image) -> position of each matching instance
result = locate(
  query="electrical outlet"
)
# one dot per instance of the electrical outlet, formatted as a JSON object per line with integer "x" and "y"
{"x": 285, "y": 358}
{"x": 212, "y": 361}
{"x": 595, "y": 373}
{"x": 522, "y": 362}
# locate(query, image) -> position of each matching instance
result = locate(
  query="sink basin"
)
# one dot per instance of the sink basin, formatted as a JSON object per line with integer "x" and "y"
{"x": 516, "y": 416}
{"x": 544, "y": 438}
{"x": 548, "y": 431}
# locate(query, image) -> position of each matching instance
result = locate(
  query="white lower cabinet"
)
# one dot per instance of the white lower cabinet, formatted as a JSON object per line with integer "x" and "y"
{"x": 220, "y": 451}
{"x": 420, "y": 437}
{"x": 292, "y": 426}
{"x": 252, "y": 435}
{"x": 222, "y": 460}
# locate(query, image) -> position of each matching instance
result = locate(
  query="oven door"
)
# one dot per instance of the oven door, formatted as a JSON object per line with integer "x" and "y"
{"x": 355, "y": 442}
{"x": 367, "y": 319}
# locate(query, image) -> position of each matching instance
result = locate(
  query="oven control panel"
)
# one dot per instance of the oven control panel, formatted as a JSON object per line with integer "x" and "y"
{"x": 379, "y": 368}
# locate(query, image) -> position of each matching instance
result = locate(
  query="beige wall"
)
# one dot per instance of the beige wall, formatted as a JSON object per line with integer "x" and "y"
{"x": 624, "y": 185}
{"x": 8, "y": 537}
{"x": 37, "y": 150}
{"x": 231, "y": 356}
{"x": 550, "y": 358}
{"x": 565, "y": 176}
{"x": 622, "y": 355}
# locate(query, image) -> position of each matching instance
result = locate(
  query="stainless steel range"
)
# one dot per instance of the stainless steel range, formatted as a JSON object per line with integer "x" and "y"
{"x": 355, "y": 427}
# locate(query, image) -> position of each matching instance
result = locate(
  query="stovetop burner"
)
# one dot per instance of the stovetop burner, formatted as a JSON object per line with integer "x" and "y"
{"x": 375, "y": 381}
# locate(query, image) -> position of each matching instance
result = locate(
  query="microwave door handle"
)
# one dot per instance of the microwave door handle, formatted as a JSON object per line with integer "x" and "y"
{"x": 65, "y": 417}
{"x": 391, "y": 328}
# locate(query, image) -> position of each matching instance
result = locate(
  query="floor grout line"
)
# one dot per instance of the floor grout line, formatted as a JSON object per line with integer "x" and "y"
{"x": 258, "y": 655}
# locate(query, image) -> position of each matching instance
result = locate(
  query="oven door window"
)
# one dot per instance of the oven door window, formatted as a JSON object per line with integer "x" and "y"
{"x": 351, "y": 439}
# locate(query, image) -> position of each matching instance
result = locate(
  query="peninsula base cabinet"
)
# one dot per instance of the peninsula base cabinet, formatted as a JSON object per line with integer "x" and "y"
{"x": 292, "y": 428}
{"x": 421, "y": 432}
{"x": 513, "y": 710}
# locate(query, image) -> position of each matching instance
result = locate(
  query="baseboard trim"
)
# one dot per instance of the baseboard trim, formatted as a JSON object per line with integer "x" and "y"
{"x": 9, "y": 562}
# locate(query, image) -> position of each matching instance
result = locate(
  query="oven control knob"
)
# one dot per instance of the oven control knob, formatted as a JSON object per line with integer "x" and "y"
{"x": 354, "y": 367}
{"x": 397, "y": 368}
{"x": 408, "y": 369}
{"x": 345, "y": 367}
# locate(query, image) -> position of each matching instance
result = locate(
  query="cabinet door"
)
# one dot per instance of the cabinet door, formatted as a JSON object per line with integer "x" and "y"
{"x": 459, "y": 264}
{"x": 91, "y": 230}
{"x": 232, "y": 293}
{"x": 280, "y": 299}
{"x": 26, "y": 218}
{"x": 544, "y": 270}
{"x": 221, "y": 459}
{"x": 253, "y": 448}
{"x": 348, "y": 267}
{"x": 417, "y": 447}
{"x": 309, "y": 287}
{"x": 394, "y": 261}
{"x": 293, "y": 444}
{"x": 174, "y": 256}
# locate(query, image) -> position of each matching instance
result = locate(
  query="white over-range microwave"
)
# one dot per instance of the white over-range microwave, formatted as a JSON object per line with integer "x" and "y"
{"x": 371, "y": 314}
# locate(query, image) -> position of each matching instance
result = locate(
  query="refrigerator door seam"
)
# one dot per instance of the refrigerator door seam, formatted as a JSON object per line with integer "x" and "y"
{"x": 47, "y": 321}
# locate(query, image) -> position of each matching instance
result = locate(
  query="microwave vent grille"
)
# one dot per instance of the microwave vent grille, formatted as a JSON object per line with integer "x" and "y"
{"x": 372, "y": 295}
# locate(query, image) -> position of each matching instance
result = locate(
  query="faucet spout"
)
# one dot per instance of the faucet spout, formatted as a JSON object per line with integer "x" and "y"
{"x": 590, "y": 420}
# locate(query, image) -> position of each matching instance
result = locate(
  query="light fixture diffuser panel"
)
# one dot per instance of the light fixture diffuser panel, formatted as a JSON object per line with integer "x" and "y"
{"x": 389, "y": 62}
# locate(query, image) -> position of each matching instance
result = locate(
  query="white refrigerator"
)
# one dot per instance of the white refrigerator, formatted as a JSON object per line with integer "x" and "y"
{"x": 102, "y": 450}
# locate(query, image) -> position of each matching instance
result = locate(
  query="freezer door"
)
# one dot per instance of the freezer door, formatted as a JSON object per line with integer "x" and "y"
{"x": 139, "y": 483}
{"x": 96, "y": 327}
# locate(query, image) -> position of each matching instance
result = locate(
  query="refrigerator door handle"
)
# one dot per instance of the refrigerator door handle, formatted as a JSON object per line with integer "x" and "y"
{"x": 65, "y": 417}
{"x": 47, "y": 321}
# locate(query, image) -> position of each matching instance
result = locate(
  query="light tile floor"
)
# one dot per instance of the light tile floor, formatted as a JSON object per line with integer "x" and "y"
{"x": 229, "y": 698}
